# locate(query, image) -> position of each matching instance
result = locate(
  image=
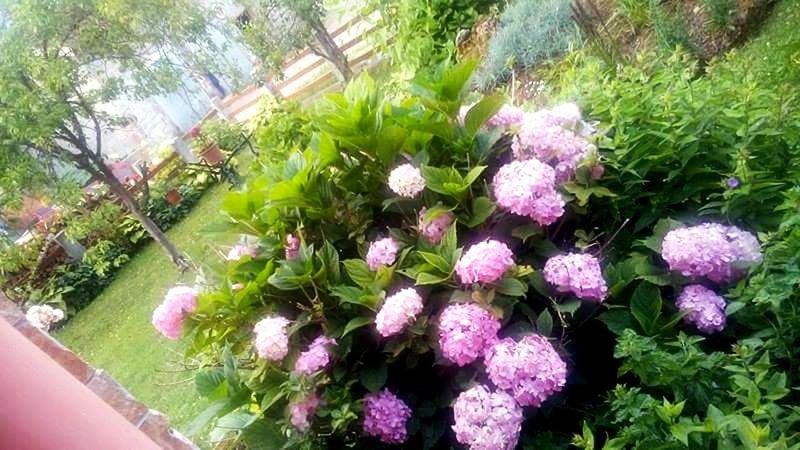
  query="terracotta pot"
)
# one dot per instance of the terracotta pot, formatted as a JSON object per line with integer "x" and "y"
{"x": 212, "y": 155}
{"x": 173, "y": 197}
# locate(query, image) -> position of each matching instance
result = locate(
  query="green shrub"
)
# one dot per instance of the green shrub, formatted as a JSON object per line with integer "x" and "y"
{"x": 280, "y": 129}
{"x": 529, "y": 32}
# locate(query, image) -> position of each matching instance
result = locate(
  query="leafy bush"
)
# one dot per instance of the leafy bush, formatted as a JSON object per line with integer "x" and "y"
{"x": 520, "y": 44}
{"x": 280, "y": 129}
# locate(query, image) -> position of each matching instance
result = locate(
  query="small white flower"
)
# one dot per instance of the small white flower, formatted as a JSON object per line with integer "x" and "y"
{"x": 406, "y": 181}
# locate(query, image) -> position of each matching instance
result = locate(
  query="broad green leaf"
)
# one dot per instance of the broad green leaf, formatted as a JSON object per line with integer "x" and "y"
{"x": 481, "y": 112}
{"x": 512, "y": 287}
{"x": 436, "y": 261}
{"x": 482, "y": 209}
{"x": 358, "y": 271}
{"x": 207, "y": 381}
{"x": 646, "y": 306}
{"x": 373, "y": 377}
{"x": 356, "y": 323}
{"x": 544, "y": 323}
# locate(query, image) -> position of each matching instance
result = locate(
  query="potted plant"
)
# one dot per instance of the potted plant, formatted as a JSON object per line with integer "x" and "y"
{"x": 207, "y": 147}
{"x": 173, "y": 197}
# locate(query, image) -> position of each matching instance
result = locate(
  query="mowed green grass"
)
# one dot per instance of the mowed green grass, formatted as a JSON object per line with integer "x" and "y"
{"x": 114, "y": 331}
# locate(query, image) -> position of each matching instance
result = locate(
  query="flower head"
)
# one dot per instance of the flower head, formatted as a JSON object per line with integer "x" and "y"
{"x": 292, "y": 247}
{"x": 484, "y": 262}
{"x": 465, "y": 332}
{"x": 316, "y": 358}
{"x": 43, "y": 316}
{"x": 732, "y": 182}
{"x": 527, "y": 188}
{"x": 434, "y": 229}
{"x": 577, "y": 273}
{"x": 530, "y": 370}
{"x": 239, "y": 251}
{"x": 272, "y": 342}
{"x": 717, "y": 252}
{"x": 705, "y": 309}
{"x": 486, "y": 420}
{"x": 398, "y": 311}
{"x": 168, "y": 317}
{"x": 386, "y": 417}
{"x": 302, "y": 410}
{"x": 406, "y": 181}
{"x": 508, "y": 116}
{"x": 382, "y": 253}
{"x": 553, "y": 144}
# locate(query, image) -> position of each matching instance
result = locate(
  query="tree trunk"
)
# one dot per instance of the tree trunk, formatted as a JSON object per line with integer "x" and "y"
{"x": 133, "y": 207}
{"x": 330, "y": 50}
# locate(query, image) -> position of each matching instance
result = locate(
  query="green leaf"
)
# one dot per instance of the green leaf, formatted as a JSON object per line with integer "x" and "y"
{"x": 525, "y": 232}
{"x": 544, "y": 323}
{"x": 646, "y": 306}
{"x": 482, "y": 209}
{"x": 481, "y": 112}
{"x": 355, "y": 323}
{"x": 272, "y": 395}
{"x": 424, "y": 278}
{"x": 617, "y": 320}
{"x": 373, "y": 377}
{"x": 358, "y": 271}
{"x": 512, "y": 287}
{"x": 207, "y": 381}
{"x": 436, "y": 261}
{"x": 473, "y": 175}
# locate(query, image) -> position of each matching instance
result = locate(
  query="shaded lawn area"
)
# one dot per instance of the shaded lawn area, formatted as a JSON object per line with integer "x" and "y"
{"x": 114, "y": 331}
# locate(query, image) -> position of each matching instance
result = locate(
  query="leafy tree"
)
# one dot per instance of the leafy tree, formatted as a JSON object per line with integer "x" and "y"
{"x": 63, "y": 60}
{"x": 275, "y": 29}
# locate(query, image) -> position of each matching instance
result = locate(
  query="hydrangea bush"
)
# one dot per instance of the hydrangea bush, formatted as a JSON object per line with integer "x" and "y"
{"x": 426, "y": 277}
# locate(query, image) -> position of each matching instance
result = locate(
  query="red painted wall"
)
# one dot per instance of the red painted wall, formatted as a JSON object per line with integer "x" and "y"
{"x": 43, "y": 407}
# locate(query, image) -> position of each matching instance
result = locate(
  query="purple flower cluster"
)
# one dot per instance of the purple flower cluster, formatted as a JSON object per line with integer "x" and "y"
{"x": 509, "y": 116}
{"x": 527, "y": 188}
{"x": 386, "y": 417}
{"x": 300, "y": 411}
{"x": 466, "y": 331}
{"x": 434, "y": 229}
{"x": 555, "y": 145}
{"x": 237, "y": 252}
{"x": 272, "y": 342}
{"x": 484, "y": 262}
{"x": 486, "y": 420}
{"x": 382, "y": 253}
{"x": 398, "y": 311}
{"x": 717, "y": 252}
{"x": 316, "y": 358}
{"x": 168, "y": 317}
{"x": 577, "y": 273}
{"x": 530, "y": 370}
{"x": 292, "y": 247}
{"x": 406, "y": 181}
{"x": 705, "y": 309}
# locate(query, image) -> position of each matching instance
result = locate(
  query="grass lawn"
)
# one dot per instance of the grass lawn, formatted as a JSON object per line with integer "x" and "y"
{"x": 114, "y": 331}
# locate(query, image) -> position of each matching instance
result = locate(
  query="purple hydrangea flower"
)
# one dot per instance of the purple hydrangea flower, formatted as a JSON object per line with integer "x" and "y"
{"x": 705, "y": 309}
{"x": 552, "y": 144}
{"x": 527, "y": 188}
{"x": 315, "y": 358}
{"x": 717, "y": 252}
{"x": 292, "y": 247}
{"x": 168, "y": 317}
{"x": 386, "y": 417}
{"x": 530, "y": 370}
{"x": 300, "y": 411}
{"x": 484, "y": 262}
{"x": 434, "y": 229}
{"x": 486, "y": 420}
{"x": 239, "y": 251}
{"x": 398, "y": 311}
{"x": 577, "y": 273}
{"x": 508, "y": 116}
{"x": 382, "y": 253}
{"x": 465, "y": 332}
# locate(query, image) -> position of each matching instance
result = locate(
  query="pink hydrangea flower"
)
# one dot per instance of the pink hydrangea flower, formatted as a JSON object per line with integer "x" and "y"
{"x": 386, "y": 417}
{"x": 168, "y": 317}
{"x": 434, "y": 229}
{"x": 406, "y": 181}
{"x": 567, "y": 115}
{"x": 577, "y": 273}
{"x": 272, "y": 342}
{"x": 530, "y": 370}
{"x": 398, "y": 311}
{"x": 382, "y": 253}
{"x": 292, "y": 247}
{"x": 466, "y": 331}
{"x": 706, "y": 309}
{"x": 553, "y": 144}
{"x": 484, "y": 262}
{"x": 486, "y": 420}
{"x": 44, "y": 316}
{"x": 300, "y": 411}
{"x": 239, "y": 251}
{"x": 508, "y": 116}
{"x": 527, "y": 188}
{"x": 717, "y": 252}
{"x": 315, "y": 358}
